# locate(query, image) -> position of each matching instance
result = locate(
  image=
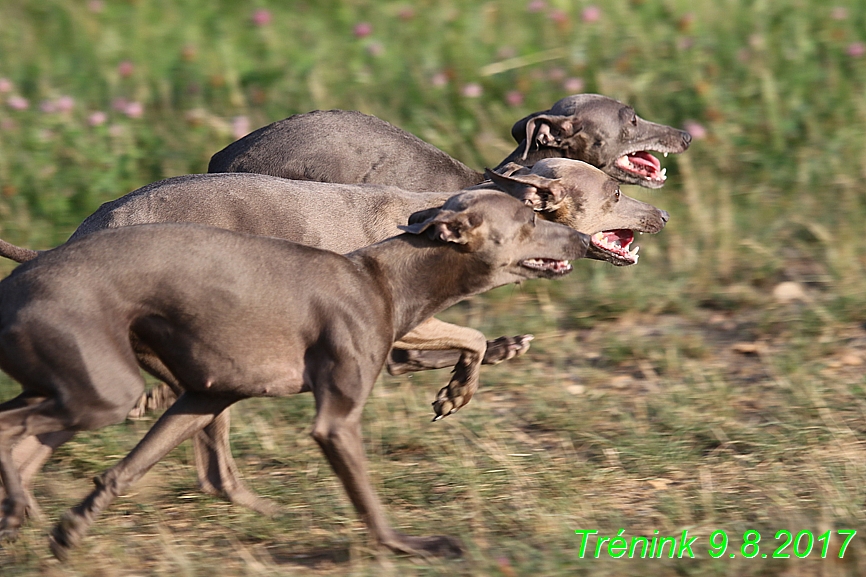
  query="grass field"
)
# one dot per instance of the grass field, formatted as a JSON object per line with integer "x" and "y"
{"x": 716, "y": 386}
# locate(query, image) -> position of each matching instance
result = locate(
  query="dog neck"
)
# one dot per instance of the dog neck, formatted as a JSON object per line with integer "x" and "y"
{"x": 421, "y": 277}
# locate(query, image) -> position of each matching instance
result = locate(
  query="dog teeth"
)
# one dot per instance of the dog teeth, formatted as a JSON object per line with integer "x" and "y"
{"x": 666, "y": 154}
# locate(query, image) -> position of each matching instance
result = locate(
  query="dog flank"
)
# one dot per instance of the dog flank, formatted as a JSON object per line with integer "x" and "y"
{"x": 267, "y": 206}
{"x": 346, "y": 147}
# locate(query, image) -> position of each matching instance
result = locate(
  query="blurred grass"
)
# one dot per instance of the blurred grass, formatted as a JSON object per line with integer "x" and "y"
{"x": 677, "y": 394}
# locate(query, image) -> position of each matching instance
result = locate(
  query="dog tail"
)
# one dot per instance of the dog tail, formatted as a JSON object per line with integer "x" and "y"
{"x": 16, "y": 253}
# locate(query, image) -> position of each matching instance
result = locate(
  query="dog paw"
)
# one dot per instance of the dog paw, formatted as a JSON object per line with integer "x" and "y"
{"x": 58, "y": 548}
{"x": 505, "y": 348}
{"x": 157, "y": 398}
{"x": 453, "y": 397}
{"x": 8, "y": 531}
{"x": 432, "y": 546}
{"x": 13, "y": 517}
{"x": 66, "y": 535}
{"x": 250, "y": 500}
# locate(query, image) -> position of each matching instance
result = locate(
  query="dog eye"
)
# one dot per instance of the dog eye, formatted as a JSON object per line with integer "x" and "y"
{"x": 634, "y": 120}
{"x": 617, "y": 194}
{"x": 534, "y": 217}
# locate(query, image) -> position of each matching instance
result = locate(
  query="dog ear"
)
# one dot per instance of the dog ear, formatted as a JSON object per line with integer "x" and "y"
{"x": 549, "y": 130}
{"x": 540, "y": 193}
{"x": 511, "y": 169}
{"x": 443, "y": 225}
{"x": 518, "y": 131}
{"x": 422, "y": 216}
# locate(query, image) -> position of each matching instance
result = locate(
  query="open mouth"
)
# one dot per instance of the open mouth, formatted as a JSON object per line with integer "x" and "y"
{"x": 613, "y": 246}
{"x": 549, "y": 266}
{"x": 643, "y": 165}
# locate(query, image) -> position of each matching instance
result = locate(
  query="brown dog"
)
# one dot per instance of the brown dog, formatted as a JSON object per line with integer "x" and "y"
{"x": 348, "y": 147}
{"x": 234, "y": 316}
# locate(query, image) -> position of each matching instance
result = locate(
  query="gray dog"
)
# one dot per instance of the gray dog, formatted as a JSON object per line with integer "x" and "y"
{"x": 349, "y": 147}
{"x": 234, "y": 316}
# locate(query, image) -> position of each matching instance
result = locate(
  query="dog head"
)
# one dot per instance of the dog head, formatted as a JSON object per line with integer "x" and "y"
{"x": 603, "y": 132}
{"x": 584, "y": 198}
{"x": 503, "y": 233}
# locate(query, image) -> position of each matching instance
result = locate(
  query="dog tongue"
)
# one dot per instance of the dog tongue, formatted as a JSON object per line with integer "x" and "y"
{"x": 645, "y": 159}
{"x": 620, "y": 238}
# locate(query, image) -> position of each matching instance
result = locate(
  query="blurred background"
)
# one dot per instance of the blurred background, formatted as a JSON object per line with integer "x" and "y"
{"x": 718, "y": 384}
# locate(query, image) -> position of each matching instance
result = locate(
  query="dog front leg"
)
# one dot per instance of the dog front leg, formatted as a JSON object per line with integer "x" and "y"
{"x": 434, "y": 334}
{"x": 435, "y": 344}
{"x": 401, "y": 361}
{"x": 337, "y": 430}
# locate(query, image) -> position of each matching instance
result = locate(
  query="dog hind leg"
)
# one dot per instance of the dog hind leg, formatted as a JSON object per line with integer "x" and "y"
{"x": 21, "y": 418}
{"x": 188, "y": 415}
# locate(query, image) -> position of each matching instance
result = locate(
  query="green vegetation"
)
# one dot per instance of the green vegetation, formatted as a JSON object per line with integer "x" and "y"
{"x": 689, "y": 392}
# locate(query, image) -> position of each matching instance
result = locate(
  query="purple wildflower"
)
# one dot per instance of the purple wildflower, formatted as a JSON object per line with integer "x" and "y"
{"x": 472, "y": 90}
{"x": 839, "y": 13}
{"x": 97, "y": 118}
{"x": 536, "y": 6}
{"x": 362, "y": 29}
{"x": 125, "y": 68}
{"x": 439, "y": 79}
{"x": 573, "y": 85}
{"x": 240, "y": 126}
{"x": 134, "y": 109}
{"x": 65, "y": 104}
{"x": 591, "y": 14}
{"x": 696, "y": 129}
{"x": 514, "y": 98}
{"x": 18, "y": 103}
{"x": 856, "y": 49}
{"x": 262, "y": 17}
